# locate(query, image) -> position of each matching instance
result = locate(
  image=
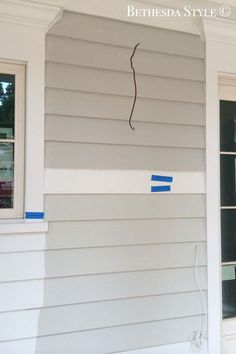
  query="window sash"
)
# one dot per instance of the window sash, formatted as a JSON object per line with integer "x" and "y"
{"x": 227, "y": 206}
{"x": 18, "y": 196}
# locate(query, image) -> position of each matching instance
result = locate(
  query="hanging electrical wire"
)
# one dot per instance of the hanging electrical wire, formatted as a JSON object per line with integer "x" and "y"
{"x": 135, "y": 85}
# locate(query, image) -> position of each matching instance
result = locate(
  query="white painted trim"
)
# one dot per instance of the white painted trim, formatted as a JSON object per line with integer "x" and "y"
{"x": 220, "y": 59}
{"x": 229, "y": 327}
{"x": 25, "y": 45}
{"x": 220, "y": 29}
{"x": 227, "y": 92}
{"x": 229, "y": 344}
{"x": 29, "y": 13}
{"x": 63, "y": 181}
{"x": 177, "y": 348}
{"x": 117, "y": 9}
{"x": 227, "y": 80}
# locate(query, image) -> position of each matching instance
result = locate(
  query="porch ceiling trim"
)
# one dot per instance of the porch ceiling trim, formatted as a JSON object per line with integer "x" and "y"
{"x": 118, "y": 10}
{"x": 29, "y": 13}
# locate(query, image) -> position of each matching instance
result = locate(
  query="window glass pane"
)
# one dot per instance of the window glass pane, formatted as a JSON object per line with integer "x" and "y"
{"x": 228, "y": 180}
{"x": 228, "y": 235}
{"x": 6, "y": 175}
{"x": 227, "y": 126}
{"x": 229, "y": 291}
{"x": 7, "y": 106}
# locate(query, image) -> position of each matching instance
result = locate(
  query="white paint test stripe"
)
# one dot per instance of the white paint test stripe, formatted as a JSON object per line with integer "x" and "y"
{"x": 69, "y": 181}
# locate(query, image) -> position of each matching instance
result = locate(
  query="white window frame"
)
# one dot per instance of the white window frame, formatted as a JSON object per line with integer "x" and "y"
{"x": 25, "y": 24}
{"x": 19, "y": 119}
{"x": 220, "y": 37}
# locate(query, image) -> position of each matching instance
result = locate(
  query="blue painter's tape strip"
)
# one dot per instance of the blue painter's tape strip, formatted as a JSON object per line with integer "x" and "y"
{"x": 160, "y": 189}
{"x": 34, "y": 215}
{"x": 162, "y": 178}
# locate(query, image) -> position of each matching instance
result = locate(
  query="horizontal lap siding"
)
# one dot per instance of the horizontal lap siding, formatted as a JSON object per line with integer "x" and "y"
{"x": 97, "y": 287}
{"x": 126, "y": 337}
{"x": 116, "y": 246}
{"x": 102, "y": 314}
{"x": 102, "y": 207}
{"x": 101, "y": 233}
{"x": 126, "y": 35}
{"x": 68, "y": 262}
{"x": 97, "y": 105}
{"x": 105, "y": 56}
{"x": 117, "y": 271}
{"x": 76, "y": 78}
{"x": 21, "y": 242}
{"x": 124, "y": 232}
{"x": 107, "y": 156}
{"x": 70, "y": 129}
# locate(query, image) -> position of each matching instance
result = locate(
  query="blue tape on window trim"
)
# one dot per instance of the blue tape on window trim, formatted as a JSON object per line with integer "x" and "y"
{"x": 34, "y": 215}
{"x": 162, "y": 178}
{"x": 160, "y": 189}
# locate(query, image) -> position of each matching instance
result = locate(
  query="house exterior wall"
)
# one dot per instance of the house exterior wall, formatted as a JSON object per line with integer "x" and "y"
{"x": 115, "y": 272}
{"x": 120, "y": 268}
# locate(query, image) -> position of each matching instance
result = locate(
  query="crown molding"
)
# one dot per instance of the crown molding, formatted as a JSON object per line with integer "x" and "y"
{"x": 29, "y": 13}
{"x": 218, "y": 29}
{"x": 44, "y": 13}
{"x": 117, "y": 9}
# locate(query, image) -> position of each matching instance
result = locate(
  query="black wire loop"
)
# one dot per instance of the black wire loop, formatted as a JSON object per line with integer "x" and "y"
{"x": 135, "y": 85}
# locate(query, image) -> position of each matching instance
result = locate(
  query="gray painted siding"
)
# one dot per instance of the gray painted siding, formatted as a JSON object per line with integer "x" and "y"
{"x": 125, "y": 232}
{"x": 97, "y": 287}
{"x": 102, "y": 314}
{"x": 153, "y": 134}
{"x": 91, "y": 28}
{"x": 119, "y": 269}
{"x": 135, "y": 237}
{"x": 85, "y": 156}
{"x": 95, "y": 105}
{"x": 96, "y": 341}
{"x": 88, "y": 99}
{"x": 110, "y": 57}
{"x": 85, "y": 234}
{"x": 77, "y": 78}
{"x": 102, "y": 207}
{"x": 99, "y": 260}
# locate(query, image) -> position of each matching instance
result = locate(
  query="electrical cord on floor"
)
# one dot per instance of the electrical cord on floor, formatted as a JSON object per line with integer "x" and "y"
{"x": 197, "y": 336}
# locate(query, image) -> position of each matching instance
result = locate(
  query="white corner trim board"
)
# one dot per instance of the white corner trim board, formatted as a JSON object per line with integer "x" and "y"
{"x": 177, "y": 348}
{"x": 69, "y": 181}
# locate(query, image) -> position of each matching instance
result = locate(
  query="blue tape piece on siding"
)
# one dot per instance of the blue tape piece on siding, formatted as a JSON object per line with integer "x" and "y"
{"x": 160, "y": 189}
{"x": 34, "y": 215}
{"x": 161, "y": 178}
